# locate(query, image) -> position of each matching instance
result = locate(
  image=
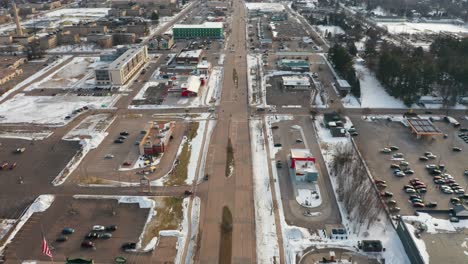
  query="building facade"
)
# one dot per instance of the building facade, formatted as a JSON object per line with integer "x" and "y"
{"x": 213, "y": 30}
{"x": 123, "y": 68}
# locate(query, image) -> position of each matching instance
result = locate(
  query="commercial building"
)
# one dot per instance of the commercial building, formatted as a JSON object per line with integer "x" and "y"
{"x": 293, "y": 65}
{"x": 343, "y": 87}
{"x": 214, "y": 30}
{"x": 190, "y": 57}
{"x": 123, "y": 68}
{"x": 156, "y": 139}
{"x": 296, "y": 82}
{"x": 303, "y": 165}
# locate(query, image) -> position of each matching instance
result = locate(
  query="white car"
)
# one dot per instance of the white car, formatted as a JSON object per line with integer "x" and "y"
{"x": 410, "y": 190}
{"x": 386, "y": 150}
{"x": 109, "y": 156}
{"x": 447, "y": 191}
{"x": 99, "y": 228}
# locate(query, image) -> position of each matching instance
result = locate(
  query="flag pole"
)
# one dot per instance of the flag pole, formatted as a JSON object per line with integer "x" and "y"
{"x": 44, "y": 238}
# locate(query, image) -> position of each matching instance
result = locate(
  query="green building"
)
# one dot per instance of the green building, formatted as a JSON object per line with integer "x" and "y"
{"x": 213, "y": 30}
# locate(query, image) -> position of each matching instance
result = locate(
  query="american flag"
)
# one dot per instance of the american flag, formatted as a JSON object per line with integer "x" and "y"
{"x": 45, "y": 248}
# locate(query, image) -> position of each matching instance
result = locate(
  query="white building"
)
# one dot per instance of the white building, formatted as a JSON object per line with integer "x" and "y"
{"x": 124, "y": 67}
{"x": 296, "y": 82}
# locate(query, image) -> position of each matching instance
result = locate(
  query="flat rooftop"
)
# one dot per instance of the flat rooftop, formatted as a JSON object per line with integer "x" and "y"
{"x": 423, "y": 126}
{"x": 301, "y": 153}
{"x": 296, "y": 80}
{"x": 125, "y": 57}
{"x": 204, "y": 25}
{"x": 190, "y": 54}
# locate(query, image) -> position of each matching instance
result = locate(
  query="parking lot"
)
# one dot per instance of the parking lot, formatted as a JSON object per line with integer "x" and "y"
{"x": 81, "y": 215}
{"x": 375, "y": 135}
{"x": 277, "y": 95}
{"x": 96, "y": 165}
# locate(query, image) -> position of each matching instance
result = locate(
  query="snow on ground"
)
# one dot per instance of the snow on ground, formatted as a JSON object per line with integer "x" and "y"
{"x": 373, "y": 95}
{"x": 27, "y": 135}
{"x": 334, "y": 30}
{"x": 34, "y": 76}
{"x": 221, "y": 59}
{"x": 379, "y": 11}
{"x": 194, "y": 221}
{"x": 41, "y": 204}
{"x": 253, "y": 70}
{"x": 349, "y": 101}
{"x": 141, "y": 94}
{"x": 415, "y": 28}
{"x": 436, "y": 225}
{"x": 79, "y": 12}
{"x": 265, "y": 7}
{"x": 266, "y": 236}
{"x": 214, "y": 86}
{"x": 49, "y": 110}
{"x": 90, "y": 132}
{"x": 307, "y": 198}
{"x": 5, "y": 226}
{"x": 195, "y": 149}
{"x": 67, "y": 75}
{"x": 381, "y": 230}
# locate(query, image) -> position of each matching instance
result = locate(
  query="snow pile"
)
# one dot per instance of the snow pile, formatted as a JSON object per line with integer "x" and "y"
{"x": 49, "y": 110}
{"x": 436, "y": 225}
{"x": 27, "y": 135}
{"x": 373, "y": 94}
{"x": 5, "y": 226}
{"x": 41, "y": 204}
{"x": 254, "y": 71}
{"x": 266, "y": 236}
{"x": 221, "y": 59}
{"x": 307, "y": 198}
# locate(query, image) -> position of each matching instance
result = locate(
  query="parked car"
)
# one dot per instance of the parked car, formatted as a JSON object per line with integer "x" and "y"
{"x": 431, "y": 166}
{"x": 391, "y": 202}
{"x": 418, "y": 205}
{"x": 404, "y": 163}
{"x": 386, "y": 150}
{"x": 61, "y": 238}
{"x": 414, "y": 180}
{"x": 187, "y": 192}
{"x": 410, "y": 190}
{"x": 431, "y": 204}
{"x": 417, "y": 200}
{"x": 398, "y": 155}
{"x": 447, "y": 191}
{"x": 408, "y": 171}
{"x": 393, "y": 148}
{"x": 394, "y": 209}
{"x": 109, "y": 156}
{"x": 412, "y": 196}
{"x": 423, "y": 158}
{"x": 68, "y": 231}
{"x": 98, "y": 228}
{"x": 439, "y": 181}
{"x": 399, "y": 174}
{"x": 105, "y": 235}
{"x": 119, "y": 141}
{"x": 387, "y": 194}
{"x": 111, "y": 228}
{"x": 274, "y": 127}
{"x": 128, "y": 246}
{"x": 92, "y": 235}
{"x": 422, "y": 190}
{"x": 87, "y": 244}
{"x": 379, "y": 181}
{"x": 124, "y": 133}
{"x": 277, "y": 145}
{"x": 381, "y": 185}
{"x": 431, "y": 156}
{"x": 126, "y": 163}
{"x": 122, "y": 137}
{"x": 459, "y": 191}
{"x": 395, "y": 166}
{"x": 455, "y": 200}
{"x": 456, "y": 149}
{"x": 454, "y": 219}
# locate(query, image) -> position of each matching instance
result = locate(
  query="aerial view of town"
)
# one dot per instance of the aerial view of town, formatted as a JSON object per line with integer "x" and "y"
{"x": 234, "y": 131}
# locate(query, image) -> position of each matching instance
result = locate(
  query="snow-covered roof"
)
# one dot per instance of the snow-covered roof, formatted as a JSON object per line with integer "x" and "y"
{"x": 296, "y": 80}
{"x": 265, "y": 7}
{"x": 192, "y": 84}
{"x": 204, "y": 25}
{"x": 203, "y": 65}
{"x": 300, "y": 153}
{"x": 303, "y": 166}
{"x": 343, "y": 83}
{"x": 190, "y": 54}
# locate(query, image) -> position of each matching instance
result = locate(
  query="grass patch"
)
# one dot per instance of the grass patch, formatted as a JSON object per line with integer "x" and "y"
{"x": 225, "y": 245}
{"x": 179, "y": 174}
{"x": 91, "y": 180}
{"x": 229, "y": 158}
{"x": 168, "y": 217}
{"x": 192, "y": 130}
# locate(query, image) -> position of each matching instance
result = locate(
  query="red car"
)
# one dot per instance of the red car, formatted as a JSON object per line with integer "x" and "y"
{"x": 379, "y": 181}
{"x": 418, "y": 205}
{"x": 4, "y": 166}
{"x": 13, "y": 165}
{"x": 127, "y": 163}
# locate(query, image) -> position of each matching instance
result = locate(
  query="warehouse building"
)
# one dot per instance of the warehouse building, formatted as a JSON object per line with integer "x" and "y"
{"x": 293, "y": 65}
{"x": 296, "y": 82}
{"x": 123, "y": 68}
{"x": 213, "y": 30}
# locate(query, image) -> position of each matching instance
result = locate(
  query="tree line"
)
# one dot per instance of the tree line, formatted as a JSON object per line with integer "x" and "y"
{"x": 409, "y": 72}
{"x": 342, "y": 60}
